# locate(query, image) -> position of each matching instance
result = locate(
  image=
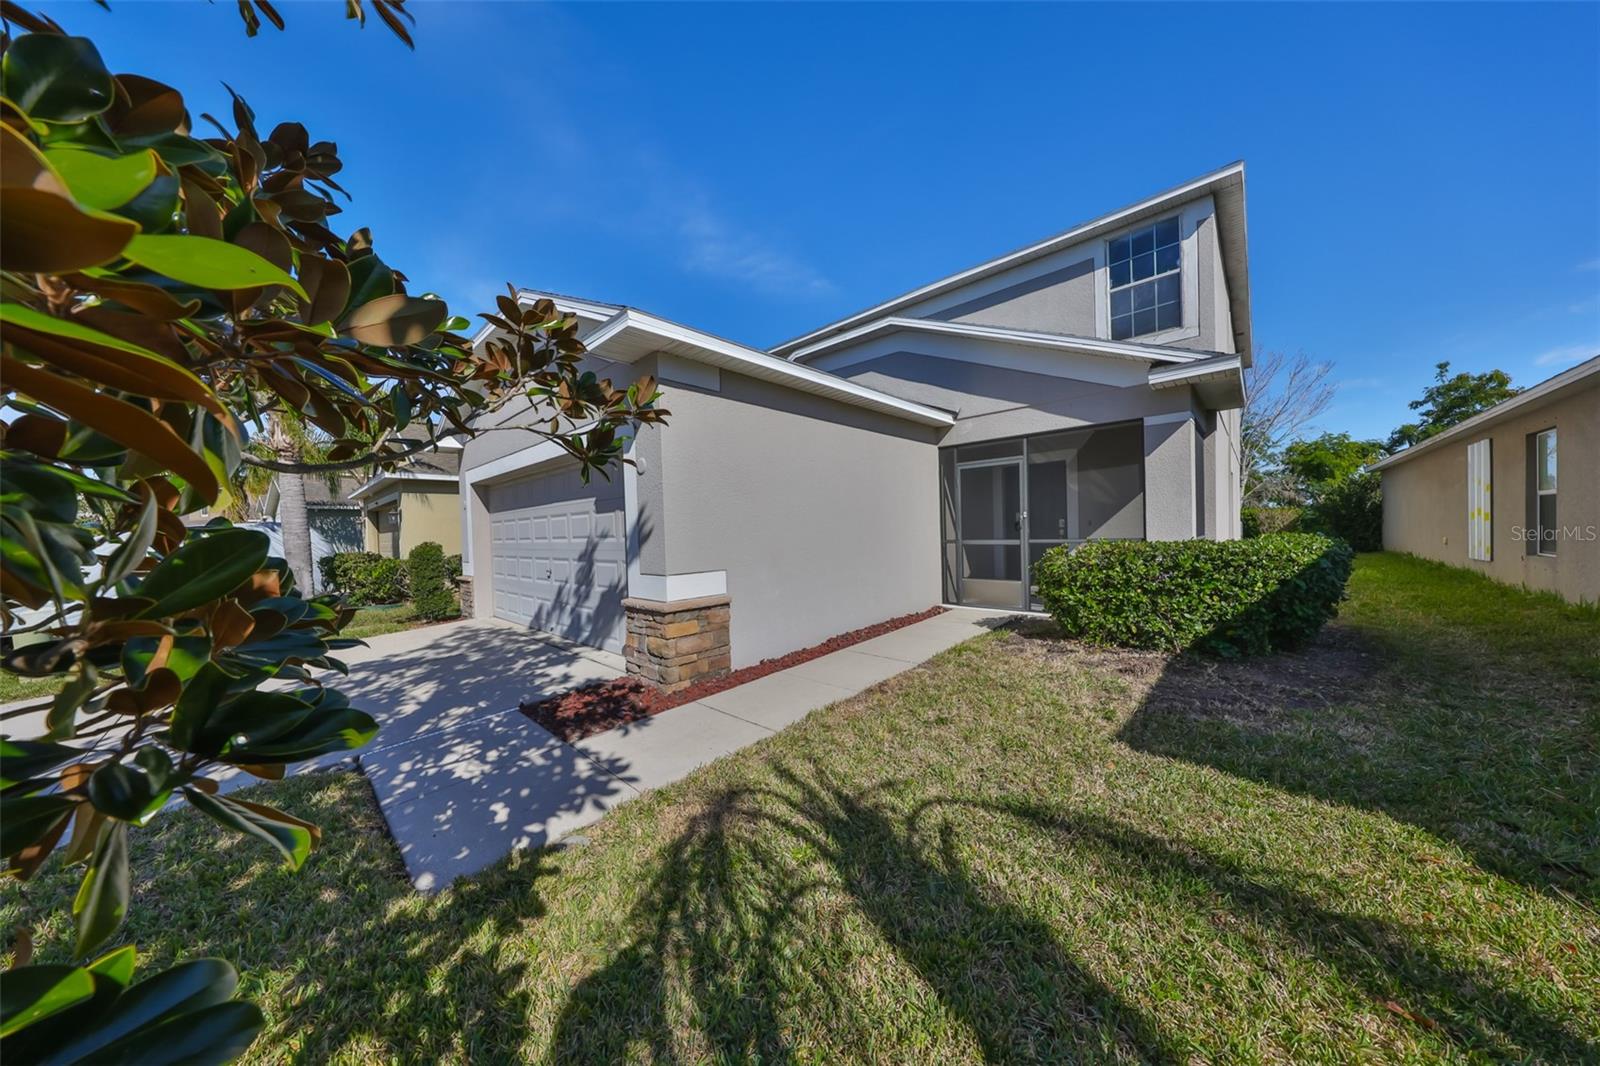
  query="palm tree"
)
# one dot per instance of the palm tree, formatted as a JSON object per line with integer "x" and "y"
{"x": 287, "y": 440}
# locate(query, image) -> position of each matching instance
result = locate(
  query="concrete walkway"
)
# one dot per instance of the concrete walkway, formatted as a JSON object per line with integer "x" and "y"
{"x": 463, "y": 777}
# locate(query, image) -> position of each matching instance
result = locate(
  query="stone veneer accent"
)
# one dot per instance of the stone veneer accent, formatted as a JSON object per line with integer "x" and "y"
{"x": 464, "y": 594}
{"x": 673, "y": 644}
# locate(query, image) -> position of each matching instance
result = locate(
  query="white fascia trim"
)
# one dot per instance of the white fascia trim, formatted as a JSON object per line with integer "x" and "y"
{"x": 399, "y": 475}
{"x": 1060, "y": 240}
{"x": 1225, "y": 368}
{"x": 1531, "y": 395}
{"x": 528, "y": 297}
{"x": 704, "y": 347}
{"x": 1027, "y": 338}
{"x": 520, "y": 460}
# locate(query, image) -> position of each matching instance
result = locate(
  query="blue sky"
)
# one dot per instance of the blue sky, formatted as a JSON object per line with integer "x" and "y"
{"x": 1422, "y": 180}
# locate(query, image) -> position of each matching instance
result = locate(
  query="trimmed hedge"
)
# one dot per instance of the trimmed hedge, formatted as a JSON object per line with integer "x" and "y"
{"x": 431, "y": 594}
{"x": 1228, "y": 598}
{"x": 364, "y": 578}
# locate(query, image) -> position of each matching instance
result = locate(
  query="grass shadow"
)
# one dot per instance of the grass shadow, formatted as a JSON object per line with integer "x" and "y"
{"x": 718, "y": 921}
{"x": 1475, "y": 715}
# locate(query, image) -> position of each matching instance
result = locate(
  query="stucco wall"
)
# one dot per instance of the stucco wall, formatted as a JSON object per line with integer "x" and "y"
{"x": 1171, "y": 454}
{"x": 824, "y": 516}
{"x": 1425, "y": 499}
{"x": 1057, "y": 301}
{"x": 997, "y": 393}
{"x": 430, "y": 514}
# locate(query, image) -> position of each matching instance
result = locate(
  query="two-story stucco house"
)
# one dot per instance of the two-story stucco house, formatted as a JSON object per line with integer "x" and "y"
{"x": 925, "y": 450}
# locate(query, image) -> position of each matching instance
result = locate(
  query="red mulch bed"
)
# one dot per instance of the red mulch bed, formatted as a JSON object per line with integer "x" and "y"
{"x": 604, "y": 705}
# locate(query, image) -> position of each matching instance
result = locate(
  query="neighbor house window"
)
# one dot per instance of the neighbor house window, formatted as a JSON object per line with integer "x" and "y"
{"x": 1544, "y": 490}
{"x": 1145, "y": 292}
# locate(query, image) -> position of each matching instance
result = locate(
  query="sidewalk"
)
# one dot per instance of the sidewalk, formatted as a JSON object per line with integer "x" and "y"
{"x": 460, "y": 795}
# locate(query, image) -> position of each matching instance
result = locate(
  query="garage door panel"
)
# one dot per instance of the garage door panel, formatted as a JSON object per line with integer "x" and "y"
{"x": 559, "y": 561}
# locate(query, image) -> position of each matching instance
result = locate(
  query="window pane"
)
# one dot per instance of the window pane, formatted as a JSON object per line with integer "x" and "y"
{"x": 1121, "y": 302}
{"x": 1121, "y": 273}
{"x": 1122, "y": 327}
{"x": 1144, "y": 266}
{"x": 1170, "y": 315}
{"x": 991, "y": 500}
{"x": 994, "y": 562}
{"x": 1548, "y": 529}
{"x": 1144, "y": 241}
{"x": 1143, "y": 296}
{"x": 1167, "y": 232}
{"x": 1047, "y": 499}
{"x": 1547, "y": 459}
{"x": 1119, "y": 249}
{"x": 1167, "y": 259}
{"x": 1144, "y": 322}
{"x": 1167, "y": 290}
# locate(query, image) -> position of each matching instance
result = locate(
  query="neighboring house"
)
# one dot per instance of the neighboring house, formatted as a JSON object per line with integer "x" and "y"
{"x": 925, "y": 450}
{"x": 334, "y": 521}
{"x": 1488, "y": 494}
{"x": 418, "y": 502}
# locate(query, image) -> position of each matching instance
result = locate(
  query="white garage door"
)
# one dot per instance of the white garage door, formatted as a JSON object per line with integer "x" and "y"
{"x": 559, "y": 553}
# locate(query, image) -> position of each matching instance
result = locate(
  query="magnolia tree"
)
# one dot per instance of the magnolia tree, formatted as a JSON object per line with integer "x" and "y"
{"x": 165, "y": 297}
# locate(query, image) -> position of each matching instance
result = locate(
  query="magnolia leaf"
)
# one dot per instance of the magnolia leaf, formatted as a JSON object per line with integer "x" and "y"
{"x": 291, "y": 838}
{"x": 102, "y": 357}
{"x": 209, "y": 263}
{"x": 203, "y": 569}
{"x": 144, "y": 107}
{"x": 101, "y": 181}
{"x": 21, "y": 164}
{"x": 30, "y": 993}
{"x": 394, "y": 321}
{"x": 369, "y": 279}
{"x": 123, "y": 422}
{"x": 55, "y": 78}
{"x": 49, "y": 234}
{"x": 102, "y": 900}
{"x": 328, "y": 282}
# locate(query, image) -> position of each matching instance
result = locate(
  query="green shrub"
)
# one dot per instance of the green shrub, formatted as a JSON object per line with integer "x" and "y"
{"x": 1259, "y": 521}
{"x": 1242, "y": 597}
{"x": 453, "y": 565}
{"x": 365, "y": 578}
{"x": 1351, "y": 510}
{"x": 431, "y": 594}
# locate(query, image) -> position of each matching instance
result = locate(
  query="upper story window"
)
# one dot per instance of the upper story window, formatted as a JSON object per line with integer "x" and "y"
{"x": 1146, "y": 296}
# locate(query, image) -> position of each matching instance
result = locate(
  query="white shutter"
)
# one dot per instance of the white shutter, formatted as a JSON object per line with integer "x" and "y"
{"x": 1480, "y": 503}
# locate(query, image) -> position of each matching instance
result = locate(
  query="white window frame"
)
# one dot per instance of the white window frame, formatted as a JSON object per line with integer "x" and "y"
{"x": 1544, "y": 548}
{"x": 1133, "y": 283}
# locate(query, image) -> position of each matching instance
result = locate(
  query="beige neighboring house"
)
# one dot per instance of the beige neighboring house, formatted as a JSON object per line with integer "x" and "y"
{"x": 1489, "y": 493}
{"x": 417, "y": 503}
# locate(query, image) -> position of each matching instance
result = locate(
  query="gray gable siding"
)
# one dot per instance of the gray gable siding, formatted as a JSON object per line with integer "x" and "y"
{"x": 1060, "y": 301}
{"x": 992, "y": 401}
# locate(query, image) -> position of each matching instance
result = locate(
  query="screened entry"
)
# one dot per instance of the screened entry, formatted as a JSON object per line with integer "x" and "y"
{"x": 1005, "y": 503}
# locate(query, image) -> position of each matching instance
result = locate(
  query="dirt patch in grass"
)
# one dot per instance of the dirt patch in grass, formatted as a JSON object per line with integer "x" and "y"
{"x": 594, "y": 708}
{"x": 1338, "y": 663}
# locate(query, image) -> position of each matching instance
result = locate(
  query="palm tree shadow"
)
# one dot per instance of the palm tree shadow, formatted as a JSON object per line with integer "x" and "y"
{"x": 1390, "y": 960}
{"x": 718, "y": 923}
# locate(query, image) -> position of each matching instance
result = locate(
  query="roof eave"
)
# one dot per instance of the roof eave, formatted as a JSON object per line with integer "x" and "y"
{"x": 632, "y": 334}
{"x": 1228, "y": 177}
{"x": 1544, "y": 390}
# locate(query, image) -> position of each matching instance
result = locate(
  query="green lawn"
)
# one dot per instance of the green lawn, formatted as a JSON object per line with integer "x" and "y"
{"x": 1385, "y": 848}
